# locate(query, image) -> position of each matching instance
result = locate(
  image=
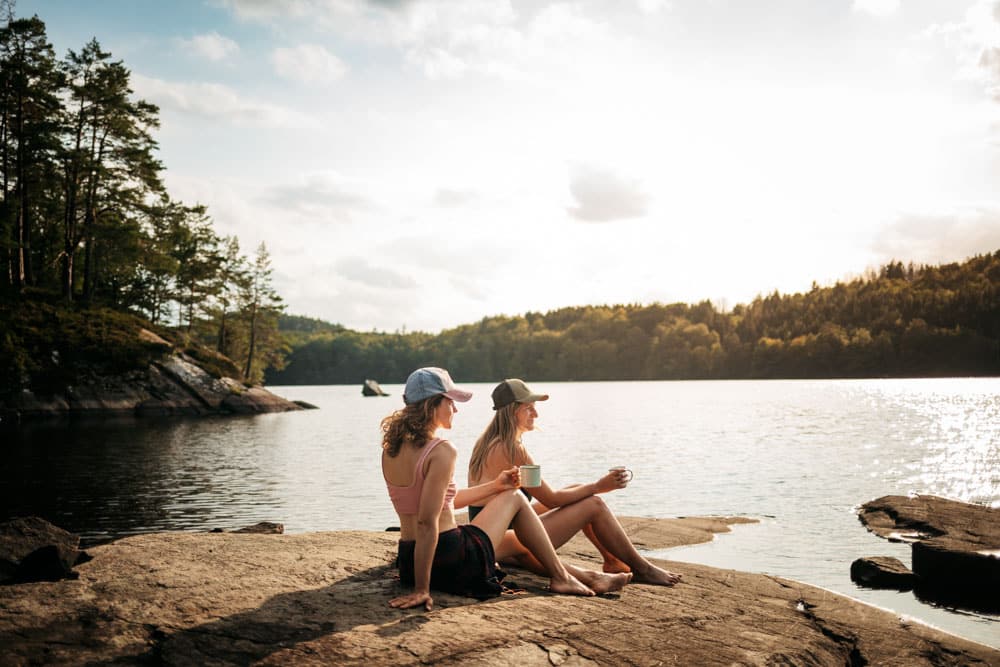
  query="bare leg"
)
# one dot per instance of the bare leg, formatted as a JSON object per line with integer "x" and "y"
{"x": 562, "y": 523}
{"x": 495, "y": 517}
{"x": 512, "y": 552}
{"x": 612, "y": 563}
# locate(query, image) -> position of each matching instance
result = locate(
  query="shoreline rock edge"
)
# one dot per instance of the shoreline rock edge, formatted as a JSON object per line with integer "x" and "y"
{"x": 321, "y": 598}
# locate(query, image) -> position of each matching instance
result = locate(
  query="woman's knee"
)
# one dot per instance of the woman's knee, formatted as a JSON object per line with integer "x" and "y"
{"x": 594, "y": 506}
{"x": 509, "y": 497}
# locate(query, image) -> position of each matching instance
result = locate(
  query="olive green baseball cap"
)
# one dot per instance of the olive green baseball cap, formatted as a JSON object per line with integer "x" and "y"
{"x": 514, "y": 391}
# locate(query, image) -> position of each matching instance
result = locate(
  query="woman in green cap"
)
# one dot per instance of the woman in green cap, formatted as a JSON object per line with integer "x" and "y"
{"x": 564, "y": 512}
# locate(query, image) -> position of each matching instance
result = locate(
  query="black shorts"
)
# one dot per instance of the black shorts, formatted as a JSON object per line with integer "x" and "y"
{"x": 464, "y": 563}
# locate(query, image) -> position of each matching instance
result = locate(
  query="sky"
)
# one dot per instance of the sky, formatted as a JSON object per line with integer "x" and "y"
{"x": 421, "y": 164}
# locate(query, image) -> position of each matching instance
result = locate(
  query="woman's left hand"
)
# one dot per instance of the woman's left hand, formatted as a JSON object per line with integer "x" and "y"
{"x": 509, "y": 479}
{"x": 615, "y": 479}
{"x": 413, "y": 600}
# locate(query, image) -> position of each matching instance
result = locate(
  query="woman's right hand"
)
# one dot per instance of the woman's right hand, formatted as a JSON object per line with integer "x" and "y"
{"x": 412, "y": 600}
{"x": 509, "y": 479}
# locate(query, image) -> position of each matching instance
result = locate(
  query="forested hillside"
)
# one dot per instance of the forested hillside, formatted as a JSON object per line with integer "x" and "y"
{"x": 88, "y": 230}
{"x": 900, "y": 321}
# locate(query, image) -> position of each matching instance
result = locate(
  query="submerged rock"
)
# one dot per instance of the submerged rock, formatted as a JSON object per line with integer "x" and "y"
{"x": 263, "y": 528}
{"x": 955, "y": 546}
{"x": 322, "y": 599}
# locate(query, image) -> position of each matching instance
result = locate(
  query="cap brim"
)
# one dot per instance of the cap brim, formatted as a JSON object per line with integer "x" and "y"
{"x": 535, "y": 397}
{"x": 458, "y": 395}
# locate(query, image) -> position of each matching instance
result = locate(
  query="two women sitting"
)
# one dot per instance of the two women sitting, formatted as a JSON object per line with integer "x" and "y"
{"x": 435, "y": 552}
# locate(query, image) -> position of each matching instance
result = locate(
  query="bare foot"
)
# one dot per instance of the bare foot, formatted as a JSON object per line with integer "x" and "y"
{"x": 656, "y": 576}
{"x": 605, "y": 583}
{"x": 570, "y": 586}
{"x": 613, "y": 566}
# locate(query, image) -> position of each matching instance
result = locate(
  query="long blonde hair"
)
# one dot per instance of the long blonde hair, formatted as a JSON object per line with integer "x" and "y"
{"x": 414, "y": 424}
{"x": 500, "y": 432}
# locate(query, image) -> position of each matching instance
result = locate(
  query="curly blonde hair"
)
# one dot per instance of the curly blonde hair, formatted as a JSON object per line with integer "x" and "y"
{"x": 414, "y": 424}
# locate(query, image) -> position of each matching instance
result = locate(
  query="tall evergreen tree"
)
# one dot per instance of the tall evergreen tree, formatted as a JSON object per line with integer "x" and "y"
{"x": 196, "y": 249}
{"x": 262, "y": 307}
{"x": 234, "y": 279}
{"x": 109, "y": 169}
{"x": 29, "y": 109}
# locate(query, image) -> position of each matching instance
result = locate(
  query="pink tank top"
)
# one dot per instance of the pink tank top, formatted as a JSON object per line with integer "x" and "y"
{"x": 406, "y": 499}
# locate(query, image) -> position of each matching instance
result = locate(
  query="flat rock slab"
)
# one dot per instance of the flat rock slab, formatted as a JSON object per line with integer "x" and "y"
{"x": 321, "y": 599}
{"x": 955, "y": 546}
{"x": 910, "y": 518}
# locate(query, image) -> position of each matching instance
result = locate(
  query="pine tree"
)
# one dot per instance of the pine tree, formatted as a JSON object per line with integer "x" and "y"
{"x": 109, "y": 171}
{"x": 261, "y": 309}
{"x": 29, "y": 109}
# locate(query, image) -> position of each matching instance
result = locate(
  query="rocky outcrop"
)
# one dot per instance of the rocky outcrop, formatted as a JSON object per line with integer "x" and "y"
{"x": 372, "y": 388}
{"x": 32, "y": 549}
{"x": 955, "y": 546}
{"x": 882, "y": 572}
{"x": 321, "y": 599}
{"x": 174, "y": 385}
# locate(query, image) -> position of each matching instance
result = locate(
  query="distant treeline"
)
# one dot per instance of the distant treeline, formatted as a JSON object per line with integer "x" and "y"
{"x": 85, "y": 215}
{"x": 899, "y": 321}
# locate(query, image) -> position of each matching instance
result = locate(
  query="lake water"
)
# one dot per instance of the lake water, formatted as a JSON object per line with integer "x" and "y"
{"x": 799, "y": 455}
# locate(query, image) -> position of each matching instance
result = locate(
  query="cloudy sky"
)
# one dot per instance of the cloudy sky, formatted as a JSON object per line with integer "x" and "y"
{"x": 420, "y": 164}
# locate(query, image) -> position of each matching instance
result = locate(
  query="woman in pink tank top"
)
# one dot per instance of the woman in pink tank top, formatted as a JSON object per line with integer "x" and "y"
{"x": 434, "y": 551}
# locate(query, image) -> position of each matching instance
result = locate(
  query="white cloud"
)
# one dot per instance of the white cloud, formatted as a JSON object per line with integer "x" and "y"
{"x": 945, "y": 236}
{"x": 601, "y": 195}
{"x": 308, "y": 63}
{"x": 266, "y": 9}
{"x": 212, "y": 46}
{"x": 320, "y": 196}
{"x": 447, "y": 39}
{"x": 449, "y": 198}
{"x": 976, "y": 42}
{"x": 213, "y": 100}
{"x": 358, "y": 269}
{"x": 653, "y": 6}
{"x": 876, "y": 7}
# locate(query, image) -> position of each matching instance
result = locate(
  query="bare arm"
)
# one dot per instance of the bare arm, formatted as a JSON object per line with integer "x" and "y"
{"x": 507, "y": 479}
{"x": 440, "y": 470}
{"x": 550, "y": 497}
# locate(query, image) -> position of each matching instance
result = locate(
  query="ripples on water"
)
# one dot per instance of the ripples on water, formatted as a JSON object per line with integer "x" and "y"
{"x": 801, "y": 455}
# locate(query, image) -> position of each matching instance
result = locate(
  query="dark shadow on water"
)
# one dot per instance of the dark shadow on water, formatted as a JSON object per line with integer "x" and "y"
{"x": 960, "y": 602}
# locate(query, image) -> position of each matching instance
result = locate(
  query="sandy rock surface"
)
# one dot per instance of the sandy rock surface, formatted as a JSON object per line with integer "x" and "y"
{"x": 321, "y": 598}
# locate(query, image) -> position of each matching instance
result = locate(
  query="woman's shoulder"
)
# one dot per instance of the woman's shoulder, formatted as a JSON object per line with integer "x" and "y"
{"x": 442, "y": 447}
{"x": 501, "y": 455}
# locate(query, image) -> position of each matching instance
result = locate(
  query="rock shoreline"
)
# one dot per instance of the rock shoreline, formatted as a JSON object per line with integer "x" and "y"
{"x": 955, "y": 548}
{"x": 321, "y": 598}
{"x": 174, "y": 385}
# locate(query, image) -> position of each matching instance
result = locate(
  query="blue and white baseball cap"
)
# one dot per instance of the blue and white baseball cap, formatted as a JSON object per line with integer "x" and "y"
{"x": 431, "y": 381}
